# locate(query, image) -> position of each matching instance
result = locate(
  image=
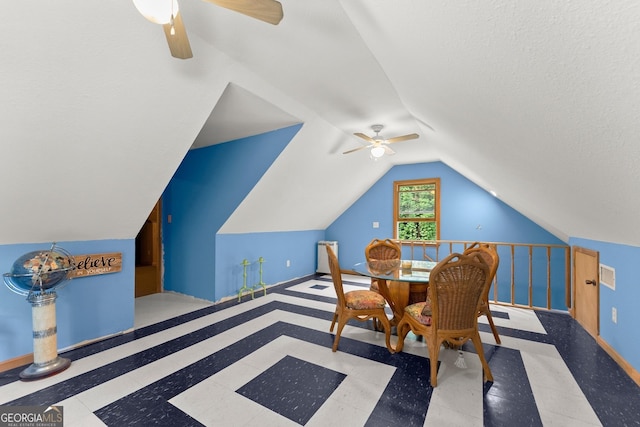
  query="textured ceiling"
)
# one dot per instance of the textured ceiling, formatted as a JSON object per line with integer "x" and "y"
{"x": 539, "y": 101}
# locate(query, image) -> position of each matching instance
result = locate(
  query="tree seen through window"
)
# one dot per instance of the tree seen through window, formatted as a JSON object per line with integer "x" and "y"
{"x": 416, "y": 209}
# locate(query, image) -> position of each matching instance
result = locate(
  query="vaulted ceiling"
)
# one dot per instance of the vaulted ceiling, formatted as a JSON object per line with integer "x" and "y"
{"x": 538, "y": 101}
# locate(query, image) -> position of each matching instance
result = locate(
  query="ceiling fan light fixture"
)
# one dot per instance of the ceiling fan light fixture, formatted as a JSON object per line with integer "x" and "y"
{"x": 377, "y": 151}
{"x": 380, "y": 146}
{"x": 157, "y": 11}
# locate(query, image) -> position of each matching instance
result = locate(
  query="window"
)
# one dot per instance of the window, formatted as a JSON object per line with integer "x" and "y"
{"x": 416, "y": 209}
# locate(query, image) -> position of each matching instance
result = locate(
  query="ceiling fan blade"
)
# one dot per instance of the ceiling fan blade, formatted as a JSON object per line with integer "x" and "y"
{"x": 388, "y": 151}
{"x": 356, "y": 149}
{"x": 178, "y": 42}
{"x": 269, "y": 11}
{"x": 402, "y": 138}
{"x": 365, "y": 137}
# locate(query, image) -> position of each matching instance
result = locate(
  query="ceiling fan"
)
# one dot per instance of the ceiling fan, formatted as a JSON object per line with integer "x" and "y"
{"x": 380, "y": 146}
{"x": 166, "y": 13}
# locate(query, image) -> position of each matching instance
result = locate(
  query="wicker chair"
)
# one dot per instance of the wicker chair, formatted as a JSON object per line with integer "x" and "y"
{"x": 381, "y": 250}
{"x": 361, "y": 305}
{"x": 456, "y": 287}
{"x": 490, "y": 255}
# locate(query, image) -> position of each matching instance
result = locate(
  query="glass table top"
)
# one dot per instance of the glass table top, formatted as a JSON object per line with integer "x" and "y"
{"x": 398, "y": 270}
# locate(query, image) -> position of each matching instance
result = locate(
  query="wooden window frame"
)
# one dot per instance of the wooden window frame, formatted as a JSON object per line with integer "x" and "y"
{"x": 396, "y": 207}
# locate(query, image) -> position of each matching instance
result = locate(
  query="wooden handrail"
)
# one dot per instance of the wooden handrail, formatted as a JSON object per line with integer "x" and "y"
{"x": 436, "y": 250}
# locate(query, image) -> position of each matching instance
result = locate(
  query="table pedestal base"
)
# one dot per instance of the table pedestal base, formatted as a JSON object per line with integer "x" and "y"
{"x": 397, "y": 295}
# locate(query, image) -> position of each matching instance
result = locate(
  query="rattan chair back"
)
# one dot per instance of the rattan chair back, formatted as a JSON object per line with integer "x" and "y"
{"x": 489, "y": 253}
{"x": 382, "y": 250}
{"x": 456, "y": 286}
{"x": 336, "y": 276}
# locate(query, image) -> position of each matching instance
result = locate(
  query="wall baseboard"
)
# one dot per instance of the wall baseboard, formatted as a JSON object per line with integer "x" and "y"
{"x": 27, "y": 359}
{"x": 16, "y": 362}
{"x": 634, "y": 374}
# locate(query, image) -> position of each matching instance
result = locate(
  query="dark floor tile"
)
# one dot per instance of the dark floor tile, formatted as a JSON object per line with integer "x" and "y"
{"x": 293, "y": 388}
{"x": 502, "y": 412}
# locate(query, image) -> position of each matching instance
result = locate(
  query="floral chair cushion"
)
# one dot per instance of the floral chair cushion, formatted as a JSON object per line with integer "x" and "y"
{"x": 417, "y": 311}
{"x": 426, "y": 310}
{"x": 363, "y": 300}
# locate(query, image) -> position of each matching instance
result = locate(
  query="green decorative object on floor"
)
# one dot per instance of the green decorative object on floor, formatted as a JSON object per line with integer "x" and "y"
{"x": 244, "y": 287}
{"x": 261, "y": 283}
{"x": 245, "y": 263}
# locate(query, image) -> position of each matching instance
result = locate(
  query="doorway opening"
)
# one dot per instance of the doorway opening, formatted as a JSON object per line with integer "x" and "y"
{"x": 148, "y": 259}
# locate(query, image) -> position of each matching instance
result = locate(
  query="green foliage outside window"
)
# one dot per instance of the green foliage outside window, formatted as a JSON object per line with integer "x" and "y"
{"x": 417, "y": 210}
{"x": 417, "y": 231}
{"x": 417, "y": 201}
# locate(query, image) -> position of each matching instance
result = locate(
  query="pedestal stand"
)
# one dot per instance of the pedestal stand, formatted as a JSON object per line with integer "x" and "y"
{"x": 261, "y": 283}
{"x": 45, "y": 338}
{"x": 245, "y": 264}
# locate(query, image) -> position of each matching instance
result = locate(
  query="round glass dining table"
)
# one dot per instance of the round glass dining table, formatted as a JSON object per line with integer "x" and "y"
{"x": 400, "y": 282}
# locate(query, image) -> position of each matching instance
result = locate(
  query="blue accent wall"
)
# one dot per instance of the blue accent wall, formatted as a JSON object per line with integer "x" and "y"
{"x": 467, "y": 212}
{"x": 463, "y": 206}
{"x": 298, "y": 247}
{"x": 87, "y": 308}
{"x": 212, "y": 181}
{"x": 622, "y": 336}
{"x": 205, "y": 190}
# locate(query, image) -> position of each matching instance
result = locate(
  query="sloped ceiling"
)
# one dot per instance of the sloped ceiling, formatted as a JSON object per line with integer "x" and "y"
{"x": 539, "y": 101}
{"x": 240, "y": 114}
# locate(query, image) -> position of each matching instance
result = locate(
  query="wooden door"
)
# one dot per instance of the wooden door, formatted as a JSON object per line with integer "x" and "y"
{"x": 148, "y": 261}
{"x": 586, "y": 289}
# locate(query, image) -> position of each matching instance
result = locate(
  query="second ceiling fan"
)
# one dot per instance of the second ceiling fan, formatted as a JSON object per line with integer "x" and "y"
{"x": 166, "y": 13}
{"x": 380, "y": 146}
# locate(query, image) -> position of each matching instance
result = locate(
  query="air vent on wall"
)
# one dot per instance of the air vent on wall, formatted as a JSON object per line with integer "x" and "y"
{"x": 608, "y": 276}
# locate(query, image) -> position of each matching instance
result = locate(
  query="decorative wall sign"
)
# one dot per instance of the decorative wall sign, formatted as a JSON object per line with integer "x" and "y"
{"x": 95, "y": 264}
